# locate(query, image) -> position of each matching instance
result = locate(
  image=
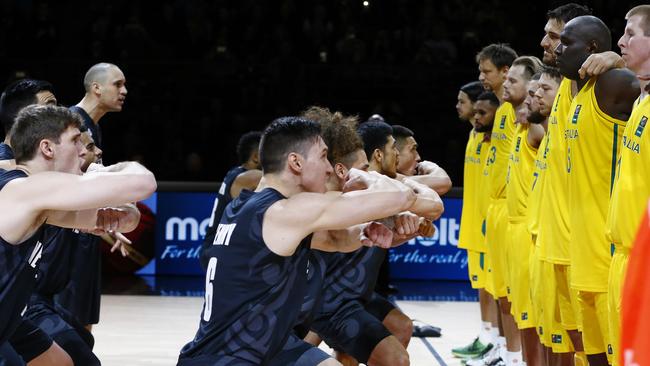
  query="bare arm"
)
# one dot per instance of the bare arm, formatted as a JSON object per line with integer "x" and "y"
{"x": 288, "y": 221}
{"x": 432, "y": 176}
{"x": 599, "y": 63}
{"x": 33, "y": 200}
{"x": 428, "y": 203}
{"x": 246, "y": 180}
{"x": 535, "y": 135}
{"x": 616, "y": 91}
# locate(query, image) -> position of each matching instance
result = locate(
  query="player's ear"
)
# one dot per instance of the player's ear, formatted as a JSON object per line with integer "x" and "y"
{"x": 295, "y": 162}
{"x": 592, "y": 47}
{"x": 504, "y": 71}
{"x": 46, "y": 147}
{"x": 378, "y": 155}
{"x": 340, "y": 170}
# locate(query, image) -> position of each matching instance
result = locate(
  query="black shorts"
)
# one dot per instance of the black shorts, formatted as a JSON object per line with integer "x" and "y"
{"x": 68, "y": 333}
{"x": 379, "y": 306}
{"x": 352, "y": 330}
{"x": 29, "y": 341}
{"x": 82, "y": 295}
{"x": 295, "y": 352}
{"x": 9, "y": 357}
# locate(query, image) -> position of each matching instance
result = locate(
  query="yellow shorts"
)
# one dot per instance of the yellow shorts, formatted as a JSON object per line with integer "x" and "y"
{"x": 495, "y": 236}
{"x": 537, "y": 295}
{"x": 520, "y": 251}
{"x": 476, "y": 268}
{"x": 559, "y": 338}
{"x": 617, "y": 272}
{"x": 569, "y": 308}
{"x": 595, "y": 322}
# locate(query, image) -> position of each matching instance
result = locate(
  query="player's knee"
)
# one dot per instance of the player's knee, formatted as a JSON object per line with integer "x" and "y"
{"x": 400, "y": 359}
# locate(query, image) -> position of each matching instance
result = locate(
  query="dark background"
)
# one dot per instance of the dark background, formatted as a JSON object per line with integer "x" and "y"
{"x": 201, "y": 73}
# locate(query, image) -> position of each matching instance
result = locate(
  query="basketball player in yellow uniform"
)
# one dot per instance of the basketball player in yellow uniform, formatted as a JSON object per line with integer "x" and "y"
{"x": 553, "y": 229}
{"x": 494, "y": 62}
{"x": 632, "y": 186}
{"x": 518, "y": 182}
{"x": 471, "y": 235}
{"x": 593, "y": 131}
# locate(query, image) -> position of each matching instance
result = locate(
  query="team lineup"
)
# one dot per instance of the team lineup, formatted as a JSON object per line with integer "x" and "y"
{"x": 556, "y": 182}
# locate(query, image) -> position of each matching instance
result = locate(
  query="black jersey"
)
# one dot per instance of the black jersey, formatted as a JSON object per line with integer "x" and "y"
{"x": 6, "y": 153}
{"x": 95, "y": 130}
{"x": 18, "y": 270}
{"x": 350, "y": 276}
{"x": 56, "y": 266}
{"x": 313, "y": 296}
{"x": 253, "y": 296}
{"x": 220, "y": 202}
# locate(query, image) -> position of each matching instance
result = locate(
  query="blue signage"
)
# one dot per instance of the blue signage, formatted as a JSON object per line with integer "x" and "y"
{"x": 182, "y": 219}
{"x": 437, "y": 257}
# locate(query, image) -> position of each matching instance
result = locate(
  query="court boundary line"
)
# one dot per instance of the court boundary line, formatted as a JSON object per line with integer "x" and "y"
{"x": 433, "y": 352}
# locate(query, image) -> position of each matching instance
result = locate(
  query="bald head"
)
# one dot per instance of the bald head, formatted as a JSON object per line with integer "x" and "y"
{"x": 581, "y": 37}
{"x": 105, "y": 84}
{"x": 592, "y": 31}
{"x": 98, "y": 73}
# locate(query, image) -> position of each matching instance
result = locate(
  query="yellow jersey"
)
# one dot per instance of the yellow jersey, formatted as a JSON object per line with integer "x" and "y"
{"x": 553, "y": 233}
{"x": 470, "y": 236}
{"x": 537, "y": 187}
{"x": 496, "y": 166}
{"x": 632, "y": 186}
{"x": 593, "y": 141}
{"x": 519, "y": 175}
{"x": 482, "y": 197}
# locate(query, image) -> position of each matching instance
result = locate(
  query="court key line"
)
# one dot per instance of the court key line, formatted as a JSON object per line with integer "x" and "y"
{"x": 433, "y": 352}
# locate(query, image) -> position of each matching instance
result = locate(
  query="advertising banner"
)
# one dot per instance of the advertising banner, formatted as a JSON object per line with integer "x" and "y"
{"x": 182, "y": 219}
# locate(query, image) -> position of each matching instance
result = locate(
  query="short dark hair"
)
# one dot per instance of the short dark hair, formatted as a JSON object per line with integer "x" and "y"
{"x": 490, "y": 97}
{"x": 532, "y": 65}
{"x": 401, "y": 133}
{"x": 553, "y": 72}
{"x": 35, "y": 123}
{"x": 374, "y": 135}
{"x": 644, "y": 12}
{"x": 19, "y": 95}
{"x": 473, "y": 90}
{"x": 568, "y": 11}
{"x": 247, "y": 144}
{"x": 500, "y": 54}
{"x": 284, "y": 136}
{"x": 339, "y": 133}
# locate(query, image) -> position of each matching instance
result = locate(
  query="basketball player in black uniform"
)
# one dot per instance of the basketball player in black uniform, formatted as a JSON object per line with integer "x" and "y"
{"x": 256, "y": 276}
{"x": 56, "y": 270}
{"x": 246, "y": 175}
{"x": 15, "y": 97}
{"x": 105, "y": 87}
{"x": 46, "y": 187}
{"x": 342, "y": 320}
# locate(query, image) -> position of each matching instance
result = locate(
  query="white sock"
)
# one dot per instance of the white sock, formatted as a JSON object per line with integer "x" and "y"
{"x": 514, "y": 359}
{"x": 500, "y": 341}
{"x": 485, "y": 336}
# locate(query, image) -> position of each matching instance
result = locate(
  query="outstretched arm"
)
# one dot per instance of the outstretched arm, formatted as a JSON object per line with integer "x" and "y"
{"x": 288, "y": 221}
{"x": 432, "y": 176}
{"x": 51, "y": 196}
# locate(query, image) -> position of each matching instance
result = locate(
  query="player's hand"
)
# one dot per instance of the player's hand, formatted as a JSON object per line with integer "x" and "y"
{"x": 406, "y": 224}
{"x": 108, "y": 218}
{"x": 357, "y": 180}
{"x": 426, "y": 228}
{"x": 598, "y": 63}
{"x": 120, "y": 242}
{"x": 426, "y": 167}
{"x": 376, "y": 235}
